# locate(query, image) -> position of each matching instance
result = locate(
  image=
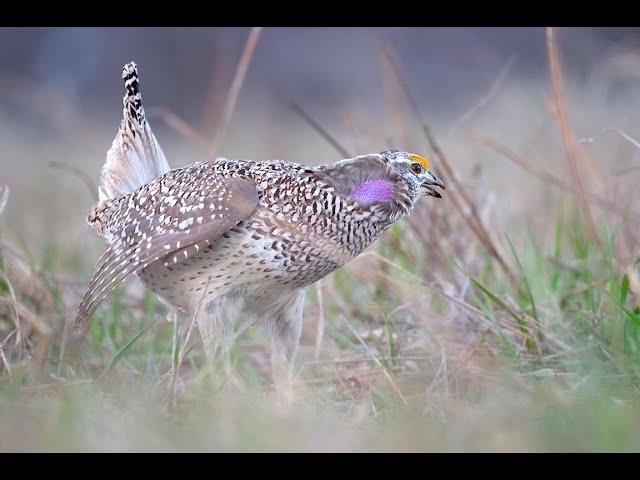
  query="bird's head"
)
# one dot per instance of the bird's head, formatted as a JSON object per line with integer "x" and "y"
{"x": 393, "y": 179}
{"x": 413, "y": 170}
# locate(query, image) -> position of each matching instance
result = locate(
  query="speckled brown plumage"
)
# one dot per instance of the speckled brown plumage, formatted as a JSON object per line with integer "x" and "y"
{"x": 236, "y": 236}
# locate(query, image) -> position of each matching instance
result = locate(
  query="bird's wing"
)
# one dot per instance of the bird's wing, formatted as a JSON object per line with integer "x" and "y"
{"x": 176, "y": 214}
{"x": 135, "y": 156}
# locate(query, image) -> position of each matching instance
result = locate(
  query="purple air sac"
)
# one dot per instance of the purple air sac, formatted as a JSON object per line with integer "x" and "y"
{"x": 373, "y": 191}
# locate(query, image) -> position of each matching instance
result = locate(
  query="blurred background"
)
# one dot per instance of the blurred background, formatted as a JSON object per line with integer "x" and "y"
{"x": 498, "y": 318}
{"x": 60, "y": 95}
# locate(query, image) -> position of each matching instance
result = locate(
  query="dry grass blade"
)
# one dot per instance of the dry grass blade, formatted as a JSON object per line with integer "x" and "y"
{"x": 627, "y": 137}
{"x": 624, "y": 135}
{"x": 5, "y": 191}
{"x": 320, "y": 326}
{"x": 568, "y": 140}
{"x": 91, "y": 186}
{"x": 376, "y": 360}
{"x": 355, "y": 141}
{"x": 177, "y": 124}
{"x": 15, "y": 304}
{"x": 236, "y": 85}
{"x": 467, "y": 117}
{"x": 320, "y": 129}
{"x": 547, "y": 177}
{"x": 470, "y": 309}
{"x": 5, "y": 362}
{"x": 634, "y": 283}
{"x": 424, "y": 283}
{"x": 473, "y": 220}
{"x": 24, "y": 281}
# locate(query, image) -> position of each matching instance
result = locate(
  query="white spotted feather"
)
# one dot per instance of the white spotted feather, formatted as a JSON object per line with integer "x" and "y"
{"x": 147, "y": 226}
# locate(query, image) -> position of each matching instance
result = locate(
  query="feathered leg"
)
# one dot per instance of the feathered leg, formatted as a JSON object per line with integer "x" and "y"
{"x": 215, "y": 323}
{"x": 283, "y": 327}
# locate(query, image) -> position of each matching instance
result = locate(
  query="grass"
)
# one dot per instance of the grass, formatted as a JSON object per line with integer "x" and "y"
{"x": 504, "y": 317}
{"x": 555, "y": 368}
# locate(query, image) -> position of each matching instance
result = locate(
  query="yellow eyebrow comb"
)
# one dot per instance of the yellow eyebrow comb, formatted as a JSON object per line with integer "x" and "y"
{"x": 423, "y": 161}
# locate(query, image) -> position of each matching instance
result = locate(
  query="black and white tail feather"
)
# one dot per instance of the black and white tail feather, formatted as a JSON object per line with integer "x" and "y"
{"x": 134, "y": 159}
{"x": 135, "y": 156}
{"x": 166, "y": 228}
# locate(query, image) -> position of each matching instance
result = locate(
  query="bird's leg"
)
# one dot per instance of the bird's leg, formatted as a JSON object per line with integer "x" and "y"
{"x": 283, "y": 327}
{"x": 215, "y": 323}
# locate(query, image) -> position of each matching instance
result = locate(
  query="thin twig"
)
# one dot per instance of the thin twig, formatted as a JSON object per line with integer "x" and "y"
{"x": 176, "y": 123}
{"x": 567, "y": 138}
{"x": 93, "y": 189}
{"x": 547, "y": 177}
{"x": 626, "y": 136}
{"x": 236, "y": 85}
{"x": 5, "y": 191}
{"x": 320, "y": 129}
{"x": 7, "y": 366}
{"x": 14, "y": 300}
{"x": 624, "y": 170}
{"x": 479, "y": 229}
{"x": 348, "y": 121}
{"x": 484, "y": 101}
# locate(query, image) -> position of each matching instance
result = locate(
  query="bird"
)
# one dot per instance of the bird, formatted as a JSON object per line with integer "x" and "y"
{"x": 227, "y": 238}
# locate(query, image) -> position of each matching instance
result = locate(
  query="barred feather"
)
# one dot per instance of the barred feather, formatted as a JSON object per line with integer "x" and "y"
{"x": 135, "y": 156}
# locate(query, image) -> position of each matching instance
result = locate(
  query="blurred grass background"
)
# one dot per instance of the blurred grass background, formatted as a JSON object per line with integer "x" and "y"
{"x": 502, "y": 317}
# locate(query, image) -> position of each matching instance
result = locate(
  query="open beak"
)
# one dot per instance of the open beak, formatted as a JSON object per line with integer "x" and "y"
{"x": 429, "y": 184}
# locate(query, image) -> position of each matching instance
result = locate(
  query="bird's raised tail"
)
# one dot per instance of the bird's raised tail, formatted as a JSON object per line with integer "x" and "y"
{"x": 135, "y": 157}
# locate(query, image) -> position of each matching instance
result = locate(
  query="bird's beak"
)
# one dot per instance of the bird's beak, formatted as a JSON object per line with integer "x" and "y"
{"x": 430, "y": 181}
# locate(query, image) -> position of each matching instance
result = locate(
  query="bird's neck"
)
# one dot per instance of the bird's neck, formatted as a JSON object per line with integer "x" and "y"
{"x": 366, "y": 223}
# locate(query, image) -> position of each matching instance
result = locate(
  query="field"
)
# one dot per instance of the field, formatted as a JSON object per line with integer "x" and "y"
{"x": 503, "y": 317}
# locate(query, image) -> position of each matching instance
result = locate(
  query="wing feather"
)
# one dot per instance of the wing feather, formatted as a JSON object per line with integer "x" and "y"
{"x": 168, "y": 216}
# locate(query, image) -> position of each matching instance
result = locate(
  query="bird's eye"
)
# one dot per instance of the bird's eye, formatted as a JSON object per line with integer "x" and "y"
{"x": 416, "y": 168}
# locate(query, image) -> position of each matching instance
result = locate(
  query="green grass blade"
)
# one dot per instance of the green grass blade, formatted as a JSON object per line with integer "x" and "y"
{"x": 534, "y": 311}
{"x": 124, "y": 350}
